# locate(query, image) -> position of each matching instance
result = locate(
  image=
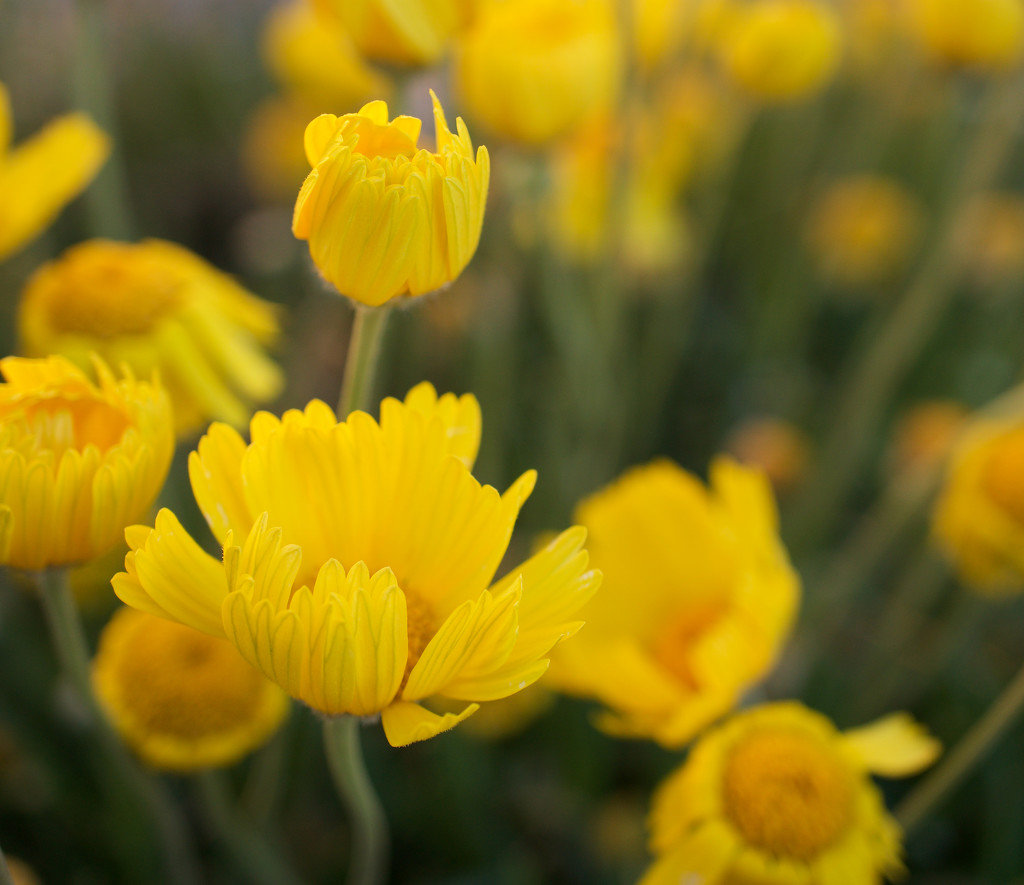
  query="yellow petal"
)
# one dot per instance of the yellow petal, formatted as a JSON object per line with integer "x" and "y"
{"x": 893, "y": 746}
{"x": 6, "y": 531}
{"x": 704, "y": 857}
{"x": 405, "y": 723}
{"x": 215, "y": 471}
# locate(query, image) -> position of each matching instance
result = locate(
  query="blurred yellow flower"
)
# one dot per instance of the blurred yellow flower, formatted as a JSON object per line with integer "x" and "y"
{"x": 985, "y": 34}
{"x": 698, "y": 597}
{"x": 316, "y": 61}
{"x": 659, "y": 29}
{"x": 991, "y": 234}
{"x": 926, "y": 433}
{"x": 778, "y": 795}
{"x": 273, "y": 157}
{"x": 777, "y": 447}
{"x": 410, "y": 32}
{"x": 179, "y": 698}
{"x": 863, "y": 229}
{"x": 43, "y": 173}
{"x": 533, "y": 71}
{"x": 78, "y": 461}
{"x": 384, "y": 218}
{"x": 979, "y": 517}
{"x": 155, "y": 305}
{"x": 781, "y": 50}
{"x": 356, "y": 563}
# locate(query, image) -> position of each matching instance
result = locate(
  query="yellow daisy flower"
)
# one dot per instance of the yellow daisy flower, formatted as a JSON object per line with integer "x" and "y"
{"x": 383, "y": 217}
{"x": 78, "y": 461}
{"x": 778, "y": 796}
{"x": 781, "y": 50}
{"x": 179, "y": 698}
{"x": 985, "y": 34}
{"x": 155, "y": 305}
{"x": 356, "y": 563}
{"x": 43, "y": 173}
{"x": 979, "y": 517}
{"x": 533, "y": 71}
{"x": 698, "y": 597}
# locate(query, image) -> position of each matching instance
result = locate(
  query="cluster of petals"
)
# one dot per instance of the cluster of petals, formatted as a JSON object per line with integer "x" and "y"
{"x": 358, "y": 560}
{"x": 698, "y": 598}
{"x": 384, "y": 217}
{"x": 778, "y": 796}
{"x": 78, "y": 461}
{"x": 43, "y": 173}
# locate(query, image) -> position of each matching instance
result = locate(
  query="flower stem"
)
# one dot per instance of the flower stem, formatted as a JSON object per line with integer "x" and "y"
{"x": 72, "y": 650}
{"x": 361, "y": 361}
{"x": 369, "y": 829}
{"x": 971, "y": 750}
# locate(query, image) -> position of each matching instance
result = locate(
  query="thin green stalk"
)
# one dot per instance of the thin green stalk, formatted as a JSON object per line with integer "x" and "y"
{"x": 72, "y": 650}
{"x": 361, "y": 361}
{"x": 247, "y": 848}
{"x": 262, "y": 791}
{"x": 368, "y": 840}
{"x": 891, "y": 349}
{"x": 971, "y": 750}
{"x": 5, "y": 873}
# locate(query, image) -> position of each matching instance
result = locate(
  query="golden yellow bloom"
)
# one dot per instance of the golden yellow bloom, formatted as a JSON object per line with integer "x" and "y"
{"x": 43, "y": 173}
{"x": 986, "y": 34}
{"x": 179, "y": 698}
{"x": 863, "y": 229}
{"x": 316, "y": 60}
{"x": 78, "y": 461}
{"x": 356, "y": 563}
{"x": 155, "y": 305}
{"x": 659, "y": 28}
{"x": 781, "y": 50}
{"x": 991, "y": 234}
{"x": 410, "y": 32}
{"x": 777, "y": 447}
{"x": 979, "y": 517}
{"x": 778, "y": 796}
{"x": 384, "y": 218}
{"x": 698, "y": 597}
{"x": 533, "y": 70}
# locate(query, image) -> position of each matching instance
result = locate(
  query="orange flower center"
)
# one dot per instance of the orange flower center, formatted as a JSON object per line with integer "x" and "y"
{"x": 56, "y": 425}
{"x": 1004, "y": 474}
{"x": 787, "y": 793}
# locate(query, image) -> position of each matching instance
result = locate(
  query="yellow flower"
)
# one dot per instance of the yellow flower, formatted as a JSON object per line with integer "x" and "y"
{"x": 409, "y": 32}
{"x": 356, "y": 563}
{"x": 43, "y": 173}
{"x": 979, "y": 517}
{"x": 659, "y": 28}
{"x": 272, "y": 154}
{"x": 985, "y": 34}
{"x": 315, "y": 60}
{"x": 777, "y": 447}
{"x": 698, "y": 597}
{"x": 781, "y": 50}
{"x": 384, "y": 218}
{"x": 78, "y": 461}
{"x": 533, "y": 70}
{"x": 155, "y": 305}
{"x": 863, "y": 229}
{"x": 926, "y": 433}
{"x": 778, "y": 796}
{"x": 991, "y": 233}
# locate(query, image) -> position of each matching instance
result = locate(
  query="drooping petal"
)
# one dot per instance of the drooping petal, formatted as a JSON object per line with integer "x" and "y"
{"x": 406, "y": 723}
{"x": 893, "y": 746}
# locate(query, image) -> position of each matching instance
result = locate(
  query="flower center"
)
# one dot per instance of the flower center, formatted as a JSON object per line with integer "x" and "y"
{"x": 1004, "y": 474}
{"x": 787, "y": 793}
{"x": 56, "y": 425}
{"x": 674, "y": 645}
{"x": 422, "y": 627}
{"x": 374, "y": 140}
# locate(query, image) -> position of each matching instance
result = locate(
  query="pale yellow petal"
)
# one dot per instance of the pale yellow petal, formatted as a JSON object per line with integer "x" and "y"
{"x": 893, "y": 746}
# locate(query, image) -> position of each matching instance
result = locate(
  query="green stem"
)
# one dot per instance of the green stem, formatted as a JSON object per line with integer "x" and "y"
{"x": 369, "y": 829}
{"x": 361, "y": 361}
{"x": 971, "y": 750}
{"x": 72, "y": 650}
{"x": 248, "y": 849}
{"x": 5, "y": 873}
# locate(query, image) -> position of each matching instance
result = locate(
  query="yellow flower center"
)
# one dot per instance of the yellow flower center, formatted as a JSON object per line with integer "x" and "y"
{"x": 422, "y": 627}
{"x": 1004, "y": 474}
{"x": 179, "y": 682}
{"x": 56, "y": 425}
{"x": 674, "y": 645}
{"x": 787, "y": 793}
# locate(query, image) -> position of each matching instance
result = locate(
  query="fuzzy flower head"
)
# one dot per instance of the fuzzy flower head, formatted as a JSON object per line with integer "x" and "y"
{"x": 983, "y": 34}
{"x": 781, "y": 50}
{"x": 78, "y": 461}
{"x": 533, "y": 71}
{"x": 384, "y": 217}
{"x": 42, "y": 174}
{"x": 778, "y": 795}
{"x": 155, "y": 305}
{"x": 979, "y": 517}
{"x": 358, "y": 563}
{"x": 183, "y": 700}
{"x": 410, "y": 32}
{"x": 698, "y": 597}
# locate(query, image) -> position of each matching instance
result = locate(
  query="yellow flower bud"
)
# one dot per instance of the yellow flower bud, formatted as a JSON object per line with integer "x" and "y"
{"x": 781, "y": 50}
{"x": 533, "y": 70}
{"x": 384, "y": 217}
{"x": 986, "y": 34}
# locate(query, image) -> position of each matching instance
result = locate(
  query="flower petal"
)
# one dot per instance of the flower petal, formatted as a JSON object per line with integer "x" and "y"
{"x": 405, "y": 723}
{"x": 893, "y": 746}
